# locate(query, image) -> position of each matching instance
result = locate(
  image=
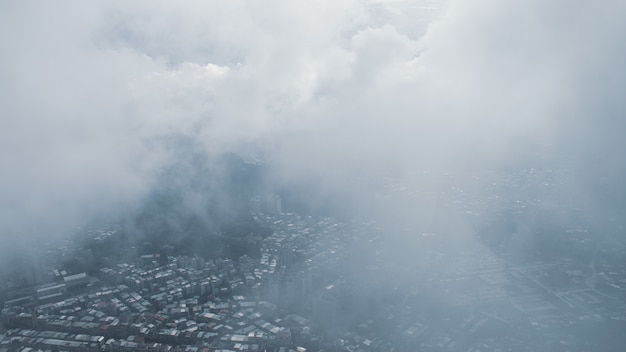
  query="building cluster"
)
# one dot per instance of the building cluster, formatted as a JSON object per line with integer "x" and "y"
{"x": 188, "y": 304}
{"x": 173, "y": 315}
{"x": 321, "y": 285}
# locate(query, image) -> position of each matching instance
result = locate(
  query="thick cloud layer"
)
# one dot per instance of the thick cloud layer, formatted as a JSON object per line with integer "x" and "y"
{"x": 335, "y": 93}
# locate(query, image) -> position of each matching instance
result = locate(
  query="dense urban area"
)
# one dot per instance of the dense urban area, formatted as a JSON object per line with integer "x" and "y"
{"x": 323, "y": 284}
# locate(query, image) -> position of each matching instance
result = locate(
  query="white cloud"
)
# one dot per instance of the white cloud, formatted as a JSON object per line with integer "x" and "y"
{"x": 350, "y": 86}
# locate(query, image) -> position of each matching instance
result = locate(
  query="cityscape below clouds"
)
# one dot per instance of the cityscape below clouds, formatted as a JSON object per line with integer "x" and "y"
{"x": 345, "y": 176}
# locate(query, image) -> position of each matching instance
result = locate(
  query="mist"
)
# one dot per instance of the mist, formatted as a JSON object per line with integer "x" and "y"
{"x": 377, "y": 88}
{"x": 451, "y": 125}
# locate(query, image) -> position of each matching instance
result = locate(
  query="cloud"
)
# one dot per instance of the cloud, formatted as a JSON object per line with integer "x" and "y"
{"x": 328, "y": 92}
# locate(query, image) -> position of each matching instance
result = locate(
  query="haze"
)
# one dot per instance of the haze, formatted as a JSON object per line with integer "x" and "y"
{"x": 430, "y": 118}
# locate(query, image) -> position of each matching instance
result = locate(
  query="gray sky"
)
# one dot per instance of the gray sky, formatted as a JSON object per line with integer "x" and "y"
{"x": 325, "y": 90}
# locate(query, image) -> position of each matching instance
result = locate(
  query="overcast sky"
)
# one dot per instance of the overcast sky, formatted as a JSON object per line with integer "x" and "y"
{"x": 325, "y": 90}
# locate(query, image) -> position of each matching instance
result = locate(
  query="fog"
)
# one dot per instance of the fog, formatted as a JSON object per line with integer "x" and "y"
{"x": 434, "y": 118}
{"x": 326, "y": 94}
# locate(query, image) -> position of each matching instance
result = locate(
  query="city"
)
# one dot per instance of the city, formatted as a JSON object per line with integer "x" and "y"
{"x": 321, "y": 284}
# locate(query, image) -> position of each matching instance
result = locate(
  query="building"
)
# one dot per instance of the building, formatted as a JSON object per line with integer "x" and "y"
{"x": 76, "y": 281}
